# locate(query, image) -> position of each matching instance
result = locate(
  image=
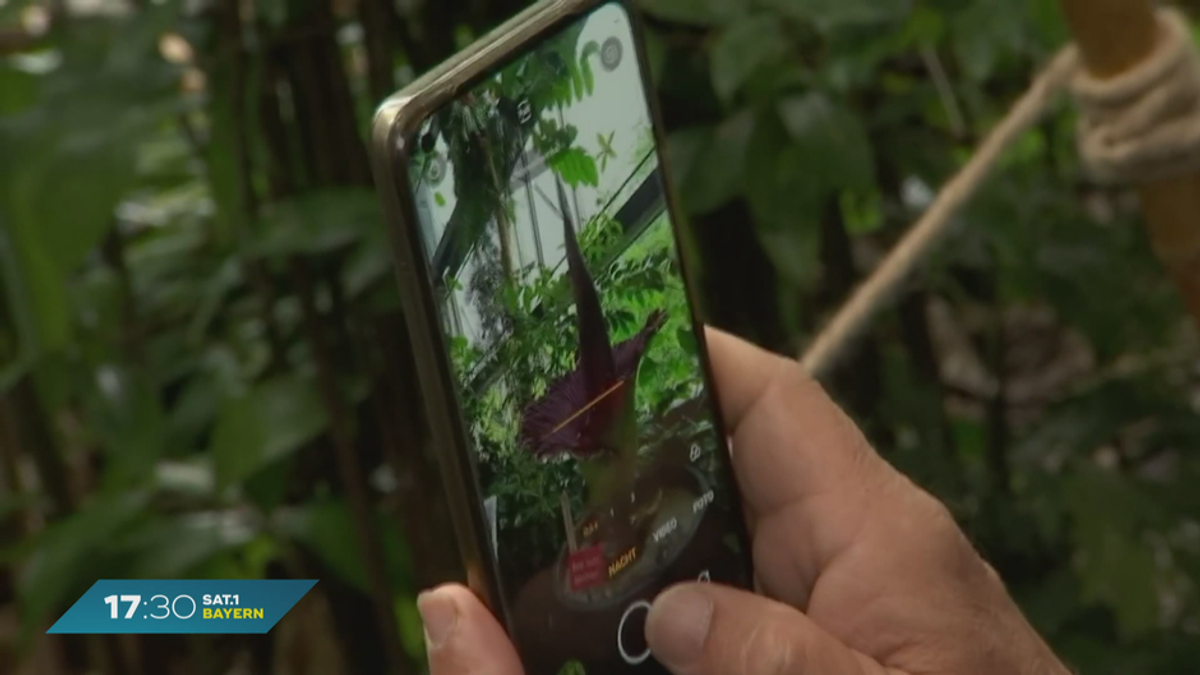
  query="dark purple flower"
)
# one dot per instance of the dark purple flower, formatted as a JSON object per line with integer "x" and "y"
{"x": 581, "y": 412}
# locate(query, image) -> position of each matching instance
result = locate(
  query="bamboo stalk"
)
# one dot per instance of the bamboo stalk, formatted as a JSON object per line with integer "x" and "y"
{"x": 1113, "y": 36}
{"x": 349, "y": 466}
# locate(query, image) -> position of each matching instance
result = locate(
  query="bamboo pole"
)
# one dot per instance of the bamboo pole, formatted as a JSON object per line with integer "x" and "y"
{"x": 1113, "y": 36}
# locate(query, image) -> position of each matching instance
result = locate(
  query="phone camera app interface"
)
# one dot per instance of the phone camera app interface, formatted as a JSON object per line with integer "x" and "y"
{"x": 545, "y": 224}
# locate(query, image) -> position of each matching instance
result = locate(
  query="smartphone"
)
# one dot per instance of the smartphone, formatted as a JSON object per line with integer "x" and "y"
{"x": 562, "y": 362}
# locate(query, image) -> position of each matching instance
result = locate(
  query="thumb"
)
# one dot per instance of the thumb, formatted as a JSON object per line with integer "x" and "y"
{"x": 705, "y": 629}
{"x": 461, "y": 635}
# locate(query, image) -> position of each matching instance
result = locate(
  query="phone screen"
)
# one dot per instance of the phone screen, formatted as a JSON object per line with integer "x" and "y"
{"x": 601, "y": 468}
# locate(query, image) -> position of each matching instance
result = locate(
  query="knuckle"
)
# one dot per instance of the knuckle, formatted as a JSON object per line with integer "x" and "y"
{"x": 931, "y": 516}
{"x": 941, "y": 520}
{"x": 952, "y": 550}
{"x": 851, "y": 437}
{"x": 920, "y": 525}
{"x": 948, "y": 541}
{"x": 992, "y": 575}
{"x": 771, "y": 648}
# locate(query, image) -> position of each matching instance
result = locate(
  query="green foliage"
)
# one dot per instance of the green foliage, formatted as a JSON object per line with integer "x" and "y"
{"x": 1116, "y": 564}
{"x": 65, "y": 556}
{"x": 326, "y": 527}
{"x": 606, "y": 149}
{"x": 184, "y": 545}
{"x": 412, "y": 630}
{"x": 692, "y": 12}
{"x": 316, "y": 223}
{"x": 53, "y": 145}
{"x": 539, "y": 346}
{"x": 572, "y": 668}
{"x": 830, "y": 15}
{"x": 125, "y": 415}
{"x": 576, "y": 167}
{"x": 832, "y": 137}
{"x": 264, "y": 426}
{"x": 153, "y": 336}
{"x": 712, "y": 162}
{"x": 743, "y": 48}
{"x": 486, "y": 140}
{"x": 827, "y": 143}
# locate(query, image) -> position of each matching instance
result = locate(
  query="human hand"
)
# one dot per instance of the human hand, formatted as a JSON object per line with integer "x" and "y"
{"x": 863, "y": 572}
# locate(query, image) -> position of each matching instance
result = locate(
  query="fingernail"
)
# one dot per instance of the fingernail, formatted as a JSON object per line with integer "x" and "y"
{"x": 439, "y": 614}
{"x": 678, "y": 624}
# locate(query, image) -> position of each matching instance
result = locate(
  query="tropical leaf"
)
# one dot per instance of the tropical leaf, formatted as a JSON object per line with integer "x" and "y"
{"x": 576, "y": 167}
{"x": 711, "y": 164}
{"x": 264, "y": 426}
{"x": 178, "y": 547}
{"x": 69, "y": 556}
{"x": 326, "y": 527}
{"x": 126, "y": 415}
{"x": 317, "y": 223}
{"x": 832, "y": 139}
{"x": 744, "y": 48}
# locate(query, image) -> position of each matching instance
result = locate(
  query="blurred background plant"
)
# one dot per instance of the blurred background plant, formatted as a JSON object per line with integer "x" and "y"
{"x": 204, "y": 369}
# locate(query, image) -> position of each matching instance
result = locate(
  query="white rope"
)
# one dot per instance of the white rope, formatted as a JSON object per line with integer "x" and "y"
{"x": 886, "y": 281}
{"x": 1141, "y": 125}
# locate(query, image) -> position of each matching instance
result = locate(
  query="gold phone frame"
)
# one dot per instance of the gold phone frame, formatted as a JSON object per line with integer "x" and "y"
{"x": 395, "y": 125}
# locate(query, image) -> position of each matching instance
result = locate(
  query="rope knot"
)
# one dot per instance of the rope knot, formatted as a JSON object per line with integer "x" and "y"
{"x": 1143, "y": 124}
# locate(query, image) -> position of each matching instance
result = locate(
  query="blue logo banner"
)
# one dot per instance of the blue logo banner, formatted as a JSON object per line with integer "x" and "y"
{"x": 182, "y": 606}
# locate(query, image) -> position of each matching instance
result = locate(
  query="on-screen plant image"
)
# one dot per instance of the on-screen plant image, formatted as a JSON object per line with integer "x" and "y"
{"x": 553, "y": 255}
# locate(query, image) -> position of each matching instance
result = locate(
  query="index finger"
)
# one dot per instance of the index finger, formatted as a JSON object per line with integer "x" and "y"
{"x": 790, "y": 440}
{"x": 744, "y": 373}
{"x": 807, "y": 475}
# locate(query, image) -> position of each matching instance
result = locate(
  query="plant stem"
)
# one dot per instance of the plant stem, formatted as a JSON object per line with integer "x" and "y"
{"x": 858, "y": 380}
{"x": 348, "y": 465}
{"x": 937, "y": 71}
{"x": 914, "y": 326}
{"x": 324, "y": 105}
{"x": 999, "y": 474}
{"x": 399, "y": 409}
{"x": 37, "y": 438}
{"x": 232, "y": 46}
{"x": 500, "y": 208}
{"x": 132, "y": 342}
{"x": 378, "y": 19}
